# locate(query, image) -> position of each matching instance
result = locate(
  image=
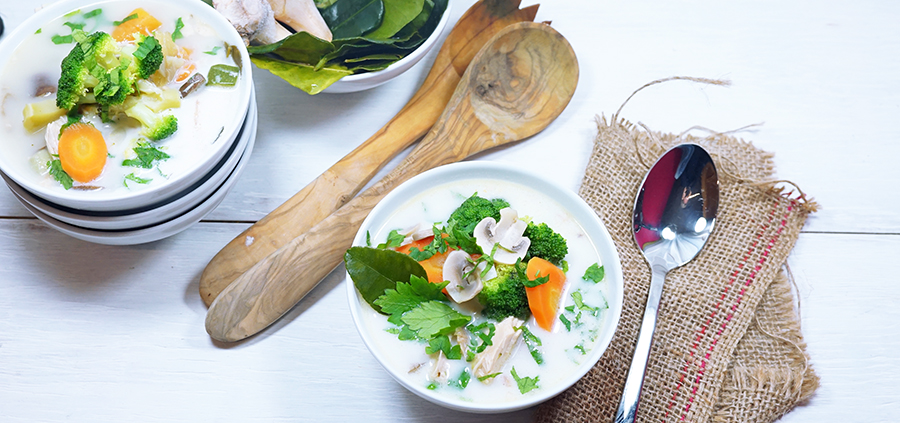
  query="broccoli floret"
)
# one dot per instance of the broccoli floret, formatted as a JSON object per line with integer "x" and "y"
{"x": 545, "y": 243}
{"x": 115, "y": 86}
{"x": 476, "y": 208}
{"x": 85, "y": 66}
{"x": 148, "y": 56}
{"x": 504, "y": 295}
{"x": 156, "y": 126}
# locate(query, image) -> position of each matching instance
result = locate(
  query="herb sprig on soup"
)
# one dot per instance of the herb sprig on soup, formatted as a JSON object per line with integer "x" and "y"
{"x": 127, "y": 87}
{"x": 485, "y": 296}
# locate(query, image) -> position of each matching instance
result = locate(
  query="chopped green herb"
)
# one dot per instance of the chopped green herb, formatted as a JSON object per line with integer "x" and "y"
{"x": 393, "y": 331}
{"x": 93, "y": 13}
{"x": 486, "y": 338}
{"x": 368, "y": 239}
{"x": 39, "y": 30}
{"x": 133, "y": 178}
{"x": 74, "y": 25}
{"x": 566, "y": 322}
{"x": 492, "y": 375}
{"x": 532, "y": 342}
{"x": 178, "y": 26}
{"x": 462, "y": 381}
{"x": 57, "y": 172}
{"x": 127, "y": 18}
{"x": 214, "y": 51}
{"x": 407, "y": 296}
{"x": 538, "y": 281}
{"x": 442, "y": 343}
{"x": 394, "y": 240}
{"x": 62, "y": 39}
{"x": 580, "y": 347}
{"x": 525, "y": 384}
{"x": 565, "y": 266}
{"x": 432, "y": 386}
{"x": 579, "y": 302}
{"x": 146, "y": 155}
{"x": 72, "y": 13}
{"x": 594, "y": 273}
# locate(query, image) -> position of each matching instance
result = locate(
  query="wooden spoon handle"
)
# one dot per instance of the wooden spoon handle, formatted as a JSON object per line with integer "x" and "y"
{"x": 333, "y": 188}
{"x": 274, "y": 285}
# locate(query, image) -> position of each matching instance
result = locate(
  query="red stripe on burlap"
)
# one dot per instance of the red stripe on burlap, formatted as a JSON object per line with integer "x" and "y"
{"x": 702, "y": 331}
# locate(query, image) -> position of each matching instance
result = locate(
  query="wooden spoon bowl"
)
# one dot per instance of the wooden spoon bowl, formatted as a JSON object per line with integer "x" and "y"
{"x": 515, "y": 86}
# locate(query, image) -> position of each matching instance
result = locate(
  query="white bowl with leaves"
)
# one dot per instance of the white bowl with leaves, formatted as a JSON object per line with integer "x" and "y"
{"x": 479, "y": 331}
{"x": 369, "y": 43}
{"x": 152, "y": 97}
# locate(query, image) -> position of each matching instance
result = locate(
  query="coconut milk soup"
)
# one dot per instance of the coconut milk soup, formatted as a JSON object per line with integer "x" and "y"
{"x": 563, "y": 350}
{"x": 202, "y": 115}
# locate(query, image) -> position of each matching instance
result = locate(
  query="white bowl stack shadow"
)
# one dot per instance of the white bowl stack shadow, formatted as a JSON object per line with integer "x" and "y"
{"x": 156, "y": 221}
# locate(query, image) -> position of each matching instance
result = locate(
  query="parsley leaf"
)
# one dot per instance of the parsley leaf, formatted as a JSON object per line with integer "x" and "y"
{"x": 538, "y": 281}
{"x": 433, "y": 318}
{"x": 394, "y": 240}
{"x": 132, "y": 177}
{"x": 532, "y": 342}
{"x": 462, "y": 381}
{"x": 146, "y": 155}
{"x": 579, "y": 302}
{"x": 580, "y": 347}
{"x": 566, "y": 322}
{"x": 214, "y": 51}
{"x": 74, "y": 25}
{"x": 478, "y": 331}
{"x": 525, "y": 384}
{"x": 127, "y": 18}
{"x": 62, "y": 39}
{"x": 442, "y": 343}
{"x": 57, "y": 172}
{"x": 406, "y": 296}
{"x": 594, "y": 273}
{"x": 92, "y": 13}
{"x": 177, "y": 33}
{"x": 486, "y": 377}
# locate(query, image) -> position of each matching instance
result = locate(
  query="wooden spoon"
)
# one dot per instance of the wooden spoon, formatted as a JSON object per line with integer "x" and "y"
{"x": 515, "y": 86}
{"x": 344, "y": 179}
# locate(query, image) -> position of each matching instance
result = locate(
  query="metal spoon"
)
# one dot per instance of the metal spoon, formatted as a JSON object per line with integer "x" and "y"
{"x": 515, "y": 86}
{"x": 674, "y": 214}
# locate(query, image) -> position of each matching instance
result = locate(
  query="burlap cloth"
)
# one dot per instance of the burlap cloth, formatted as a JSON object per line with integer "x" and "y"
{"x": 728, "y": 345}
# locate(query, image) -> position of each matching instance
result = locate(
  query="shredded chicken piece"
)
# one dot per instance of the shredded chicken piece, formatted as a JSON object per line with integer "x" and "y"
{"x": 254, "y": 20}
{"x": 440, "y": 368}
{"x": 301, "y": 15}
{"x": 462, "y": 338}
{"x": 491, "y": 360}
{"x": 51, "y": 137}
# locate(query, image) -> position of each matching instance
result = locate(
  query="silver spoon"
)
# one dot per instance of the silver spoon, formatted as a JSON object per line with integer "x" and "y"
{"x": 674, "y": 213}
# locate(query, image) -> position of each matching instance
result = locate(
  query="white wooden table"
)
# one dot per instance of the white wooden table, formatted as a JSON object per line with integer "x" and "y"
{"x": 98, "y": 333}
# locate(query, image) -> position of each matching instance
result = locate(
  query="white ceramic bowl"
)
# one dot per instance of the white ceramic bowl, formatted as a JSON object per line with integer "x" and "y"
{"x": 157, "y": 214}
{"x": 431, "y": 197}
{"x": 367, "y": 80}
{"x": 230, "y": 120}
{"x": 155, "y": 232}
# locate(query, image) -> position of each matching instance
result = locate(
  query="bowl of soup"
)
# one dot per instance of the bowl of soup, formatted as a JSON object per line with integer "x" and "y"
{"x": 491, "y": 329}
{"x": 118, "y": 105}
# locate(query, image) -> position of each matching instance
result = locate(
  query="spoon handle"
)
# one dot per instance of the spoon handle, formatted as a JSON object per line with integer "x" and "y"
{"x": 635, "y": 380}
{"x": 276, "y": 283}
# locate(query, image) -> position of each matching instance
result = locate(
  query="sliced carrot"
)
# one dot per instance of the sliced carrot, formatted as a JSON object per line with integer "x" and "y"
{"x": 82, "y": 152}
{"x": 543, "y": 300}
{"x": 145, "y": 23}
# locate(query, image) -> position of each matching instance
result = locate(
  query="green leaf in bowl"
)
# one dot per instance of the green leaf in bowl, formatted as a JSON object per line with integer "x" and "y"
{"x": 397, "y": 14}
{"x": 374, "y": 270}
{"x": 353, "y": 18}
{"x": 301, "y": 75}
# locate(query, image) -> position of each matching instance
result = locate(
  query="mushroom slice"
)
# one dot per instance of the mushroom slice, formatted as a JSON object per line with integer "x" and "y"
{"x": 465, "y": 279}
{"x": 491, "y": 360}
{"x": 415, "y": 233}
{"x": 508, "y": 233}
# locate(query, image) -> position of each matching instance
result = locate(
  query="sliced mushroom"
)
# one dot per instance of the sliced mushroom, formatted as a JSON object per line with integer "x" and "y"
{"x": 491, "y": 360}
{"x": 508, "y": 233}
{"x": 465, "y": 279}
{"x": 415, "y": 233}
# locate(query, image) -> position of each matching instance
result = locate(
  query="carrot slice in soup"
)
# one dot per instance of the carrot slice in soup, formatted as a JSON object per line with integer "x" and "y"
{"x": 145, "y": 23}
{"x": 82, "y": 152}
{"x": 543, "y": 300}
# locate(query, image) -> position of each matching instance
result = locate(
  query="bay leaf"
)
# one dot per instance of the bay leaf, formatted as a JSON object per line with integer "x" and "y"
{"x": 397, "y": 14}
{"x": 299, "y": 47}
{"x": 374, "y": 270}
{"x": 353, "y": 18}
{"x": 418, "y": 22}
{"x": 301, "y": 75}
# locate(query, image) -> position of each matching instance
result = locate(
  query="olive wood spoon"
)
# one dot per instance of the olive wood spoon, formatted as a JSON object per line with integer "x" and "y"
{"x": 515, "y": 86}
{"x": 344, "y": 179}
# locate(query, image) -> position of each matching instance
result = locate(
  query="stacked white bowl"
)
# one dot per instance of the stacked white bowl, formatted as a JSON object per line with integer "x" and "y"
{"x": 118, "y": 216}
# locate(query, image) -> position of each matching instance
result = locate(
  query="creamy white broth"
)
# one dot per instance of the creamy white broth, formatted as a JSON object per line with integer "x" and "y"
{"x": 561, "y": 357}
{"x": 201, "y": 117}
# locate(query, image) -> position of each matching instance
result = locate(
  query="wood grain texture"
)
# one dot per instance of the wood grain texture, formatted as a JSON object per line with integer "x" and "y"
{"x": 516, "y": 86}
{"x": 337, "y": 185}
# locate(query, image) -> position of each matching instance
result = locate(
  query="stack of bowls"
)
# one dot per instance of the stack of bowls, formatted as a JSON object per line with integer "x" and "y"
{"x": 136, "y": 213}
